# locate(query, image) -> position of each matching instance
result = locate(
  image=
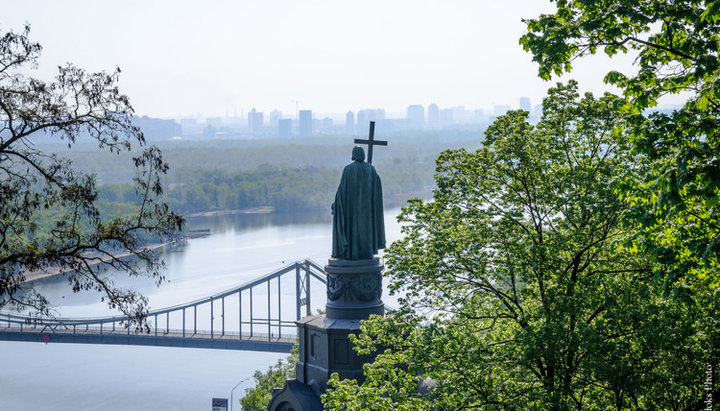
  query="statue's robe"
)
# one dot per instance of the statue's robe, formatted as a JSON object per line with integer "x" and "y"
{"x": 358, "y": 225}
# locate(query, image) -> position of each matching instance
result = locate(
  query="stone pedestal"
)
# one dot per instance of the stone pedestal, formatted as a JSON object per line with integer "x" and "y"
{"x": 354, "y": 289}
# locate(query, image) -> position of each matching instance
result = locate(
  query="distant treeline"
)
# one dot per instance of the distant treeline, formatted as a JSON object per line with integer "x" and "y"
{"x": 286, "y": 175}
{"x": 123, "y": 205}
{"x": 283, "y": 188}
{"x": 278, "y": 187}
{"x": 234, "y": 155}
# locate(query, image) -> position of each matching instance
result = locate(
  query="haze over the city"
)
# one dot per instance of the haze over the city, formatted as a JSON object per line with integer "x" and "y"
{"x": 182, "y": 59}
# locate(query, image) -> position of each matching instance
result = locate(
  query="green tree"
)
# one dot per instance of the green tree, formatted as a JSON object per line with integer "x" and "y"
{"x": 258, "y": 397}
{"x": 518, "y": 293}
{"x": 36, "y": 186}
{"x": 676, "y": 43}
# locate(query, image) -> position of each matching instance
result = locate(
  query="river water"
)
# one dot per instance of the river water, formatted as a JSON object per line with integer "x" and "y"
{"x": 241, "y": 247}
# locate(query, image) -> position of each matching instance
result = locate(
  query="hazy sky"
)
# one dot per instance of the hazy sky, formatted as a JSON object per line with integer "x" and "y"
{"x": 181, "y": 58}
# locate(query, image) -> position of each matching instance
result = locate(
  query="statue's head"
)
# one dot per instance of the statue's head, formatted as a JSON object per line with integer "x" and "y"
{"x": 358, "y": 154}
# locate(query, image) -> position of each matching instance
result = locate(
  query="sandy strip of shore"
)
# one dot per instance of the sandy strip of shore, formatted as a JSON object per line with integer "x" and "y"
{"x": 254, "y": 210}
{"x": 53, "y": 271}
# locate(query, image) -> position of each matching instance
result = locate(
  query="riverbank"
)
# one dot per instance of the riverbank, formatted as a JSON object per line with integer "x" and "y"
{"x": 252, "y": 210}
{"x": 391, "y": 201}
{"x": 53, "y": 271}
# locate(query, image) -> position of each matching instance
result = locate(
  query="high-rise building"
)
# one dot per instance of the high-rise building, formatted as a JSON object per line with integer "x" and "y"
{"x": 416, "y": 116}
{"x": 350, "y": 122}
{"x": 156, "y": 129}
{"x": 537, "y": 111}
{"x": 305, "y": 128}
{"x": 275, "y": 115}
{"x": 446, "y": 117}
{"x": 433, "y": 115}
{"x": 326, "y": 124}
{"x": 284, "y": 127}
{"x": 459, "y": 114}
{"x": 364, "y": 117}
{"x": 525, "y": 104}
{"x": 255, "y": 121}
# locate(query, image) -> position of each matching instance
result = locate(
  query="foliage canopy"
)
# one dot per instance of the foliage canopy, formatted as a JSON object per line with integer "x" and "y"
{"x": 258, "y": 397}
{"x": 519, "y": 292}
{"x": 676, "y": 43}
{"x": 35, "y": 184}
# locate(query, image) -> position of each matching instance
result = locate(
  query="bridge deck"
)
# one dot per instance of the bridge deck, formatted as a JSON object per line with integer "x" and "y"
{"x": 256, "y": 342}
{"x": 236, "y": 335}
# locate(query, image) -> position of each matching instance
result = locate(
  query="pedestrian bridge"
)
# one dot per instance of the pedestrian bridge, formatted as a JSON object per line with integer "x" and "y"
{"x": 259, "y": 315}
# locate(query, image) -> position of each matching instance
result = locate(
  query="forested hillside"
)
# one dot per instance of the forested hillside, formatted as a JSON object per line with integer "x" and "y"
{"x": 286, "y": 175}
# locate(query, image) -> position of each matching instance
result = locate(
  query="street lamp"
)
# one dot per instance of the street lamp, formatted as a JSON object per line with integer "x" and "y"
{"x": 232, "y": 403}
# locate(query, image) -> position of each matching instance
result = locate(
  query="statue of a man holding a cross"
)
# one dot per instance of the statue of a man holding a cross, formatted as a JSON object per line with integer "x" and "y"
{"x": 358, "y": 225}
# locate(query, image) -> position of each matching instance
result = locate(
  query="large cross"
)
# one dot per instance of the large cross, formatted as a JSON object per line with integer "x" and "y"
{"x": 371, "y": 142}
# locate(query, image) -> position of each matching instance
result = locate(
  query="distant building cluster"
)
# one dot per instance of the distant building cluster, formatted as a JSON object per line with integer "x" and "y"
{"x": 438, "y": 118}
{"x": 158, "y": 129}
{"x": 304, "y": 123}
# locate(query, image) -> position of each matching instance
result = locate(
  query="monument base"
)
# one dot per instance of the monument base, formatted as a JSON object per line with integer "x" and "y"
{"x": 325, "y": 348}
{"x": 354, "y": 288}
{"x": 354, "y": 291}
{"x": 295, "y": 396}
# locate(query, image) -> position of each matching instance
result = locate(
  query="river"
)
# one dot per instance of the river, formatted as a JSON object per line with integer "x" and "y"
{"x": 241, "y": 247}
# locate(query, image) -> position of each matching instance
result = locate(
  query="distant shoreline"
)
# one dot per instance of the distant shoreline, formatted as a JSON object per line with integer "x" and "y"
{"x": 53, "y": 271}
{"x": 392, "y": 200}
{"x": 251, "y": 210}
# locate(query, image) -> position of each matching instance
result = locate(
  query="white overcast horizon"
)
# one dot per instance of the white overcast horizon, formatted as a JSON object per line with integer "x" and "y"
{"x": 198, "y": 59}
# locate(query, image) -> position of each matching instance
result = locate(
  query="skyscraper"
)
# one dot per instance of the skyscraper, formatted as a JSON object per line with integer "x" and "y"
{"x": 364, "y": 117}
{"x": 255, "y": 121}
{"x": 525, "y": 104}
{"x": 305, "y": 123}
{"x": 416, "y": 116}
{"x": 433, "y": 115}
{"x": 350, "y": 122}
{"x": 537, "y": 111}
{"x": 459, "y": 114}
{"x": 275, "y": 115}
{"x": 446, "y": 117}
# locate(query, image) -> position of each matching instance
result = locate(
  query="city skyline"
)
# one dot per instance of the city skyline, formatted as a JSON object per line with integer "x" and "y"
{"x": 179, "y": 59}
{"x": 306, "y": 123}
{"x": 245, "y": 114}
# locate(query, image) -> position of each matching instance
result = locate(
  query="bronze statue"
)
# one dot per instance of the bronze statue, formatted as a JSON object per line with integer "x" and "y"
{"x": 358, "y": 226}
